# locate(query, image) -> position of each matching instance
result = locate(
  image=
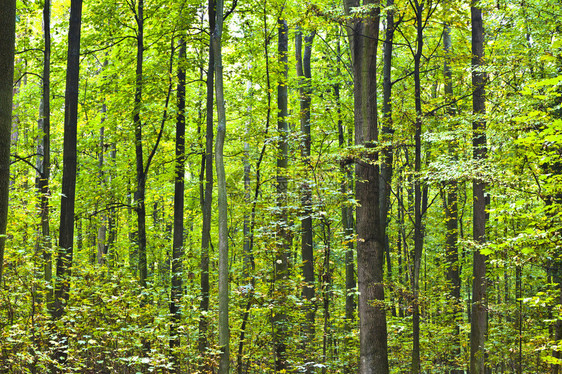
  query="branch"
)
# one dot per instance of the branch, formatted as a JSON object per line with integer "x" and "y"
{"x": 234, "y": 3}
{"x": 28, "y": 50}
{"x": 24, "y": 159}
{"x": 165, "y": 114}
{"x": 27, "y": 73}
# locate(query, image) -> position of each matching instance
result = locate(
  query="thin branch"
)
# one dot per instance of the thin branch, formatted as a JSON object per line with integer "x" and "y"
{"x": 24, "y": 159}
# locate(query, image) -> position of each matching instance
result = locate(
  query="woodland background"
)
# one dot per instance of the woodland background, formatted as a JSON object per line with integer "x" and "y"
{"x": 303, "y": 100}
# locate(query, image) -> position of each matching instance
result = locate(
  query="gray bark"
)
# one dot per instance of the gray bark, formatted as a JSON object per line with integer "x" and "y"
{"x": 363, "y": 34}
{"x": 207, "y": 198}
{"x": 224, "y": 330}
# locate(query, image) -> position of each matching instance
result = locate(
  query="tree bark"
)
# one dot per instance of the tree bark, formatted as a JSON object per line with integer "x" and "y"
{"x": 177, "y": 245}
{"x": 7, "y": 45}
{"x": 207, "y": 199}
{"x": 140, "y": 193}
{"x": 224, "y": 330}
{"x": 418, "y": 228}
{"x": 281, "y": 266}
{"x": 387, "y": 153}
{"x": 66, "y": 227}
{"x": 451, "y": 211}
{"x": 363, "y": 34}
{"x": 346, "y": 212}
{"x": 479, "y": 322}
{"x": 44, "y": 155}
{"x": 307, "y": 252}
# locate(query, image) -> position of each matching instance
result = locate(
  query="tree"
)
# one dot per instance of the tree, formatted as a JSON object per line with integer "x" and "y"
{"x": 363, "y": 34}
{"x": 307, "y": 250}
{"x": 7, "y": 43}
{"x": 207, "y": 193}
{"x": 66, "y": 227}
{"x": 44, "y": 151}
{"x": 224, "y": 329}
{"x": 450, "y": 200}
{"x": 140, "y": 192}
{"x": 281, "y": 266}
{"x": 179, "y": 191}
{"x": 478, "y": 326}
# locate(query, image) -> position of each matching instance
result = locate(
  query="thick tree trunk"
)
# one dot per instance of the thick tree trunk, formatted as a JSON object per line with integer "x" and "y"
{"x": 177, "y": 245}
{"x": 363, "y": 36}
{"x": 7, "y": 40}
{"x": 479, "y": 322}
{"x": 66, "y": 227}
{"x": 281, "y": 266}
{"x": 224, "y": 330}
{"x": 207, "y": 200}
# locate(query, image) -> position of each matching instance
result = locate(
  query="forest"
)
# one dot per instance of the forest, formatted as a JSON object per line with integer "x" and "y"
{"x": 281, "y": 186}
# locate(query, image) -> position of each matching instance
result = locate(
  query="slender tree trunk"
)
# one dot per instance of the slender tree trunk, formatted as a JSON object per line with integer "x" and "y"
{"x": 102, "y": 229}
{"x": 177, "y": 245}
{"x": 479, "y": 323}
{"x": 224, "y": 330}
{"x": 326, "y": 294}
{"x": 249, "y": 264}
{"x": 207, "y": 200}
{"x": 347, "y": 210}
{"x": 418, "y": 212}
{"x": 387, "y": 154}
{"x": 363, "y": 33}
{"x": 7, "y": 43}
{"x": 246, "y": 314}
{"x": 451, "y": 212}
{"x": 281, "y": 266}
{"x": 140, "y": 207}
{"x": 307, "y": 252}
{"x": 44, "y": 155}
{"x": 346, "y": 186}
{"x": 66, "y": 228}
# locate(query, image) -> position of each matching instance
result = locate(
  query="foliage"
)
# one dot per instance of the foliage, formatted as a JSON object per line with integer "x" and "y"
{"x": 106, "y": 322}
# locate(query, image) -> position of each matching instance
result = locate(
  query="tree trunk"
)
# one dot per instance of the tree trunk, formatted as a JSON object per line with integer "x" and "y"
{"x": 7, "y": 43}
{"x": 327, "y": 335}
{"x": 207, "y": 166}
{"x": 451, "y": 212}
{"x": 44, "y": 156}
{"x": 479, "y": 322}
{"x": 224, "y": 330}
{"x": 363, "y": 34}
{"x": 177, "y": 245}
{"x": 418, "y": 212}
{"x": 387, "y": 153}
{"x": 346, "y": 186}
{"x": 307, "y": 252}
{"x": 281, "y": 266}
{"x": 140, "y": 192}
{"x": 66, "y": 228}
{"x": 347, "y": 210}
